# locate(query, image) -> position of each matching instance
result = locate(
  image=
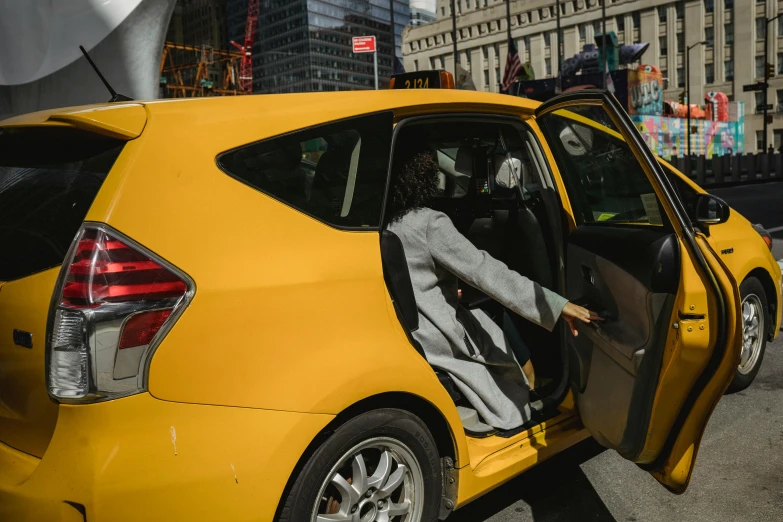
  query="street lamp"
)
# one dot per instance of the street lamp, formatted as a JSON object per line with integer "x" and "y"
{"x": 688, "y": 93}
{"x": 766, "y": 73}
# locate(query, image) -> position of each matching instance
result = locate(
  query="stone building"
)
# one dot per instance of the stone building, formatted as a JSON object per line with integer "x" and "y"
{"x": 732, "y": 57}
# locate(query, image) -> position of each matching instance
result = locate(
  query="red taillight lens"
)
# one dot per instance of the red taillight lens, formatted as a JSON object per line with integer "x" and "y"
{"x": 106, "y": 270}
{"x": 116, "y": 300}
{"x": 141, "y": 328}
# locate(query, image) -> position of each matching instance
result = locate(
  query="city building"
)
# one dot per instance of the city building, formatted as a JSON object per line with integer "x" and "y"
{"x": 423, "y": 11}
{"x": 305, "y": 45}
{"x": 732, "y": 57}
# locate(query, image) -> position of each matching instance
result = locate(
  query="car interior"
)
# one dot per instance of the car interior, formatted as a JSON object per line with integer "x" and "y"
{"x": 489, "y": 187}
{"x": 621, "y": 259}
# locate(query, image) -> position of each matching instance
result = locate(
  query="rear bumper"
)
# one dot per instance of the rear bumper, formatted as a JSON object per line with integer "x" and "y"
{"x": 140, "y": 458}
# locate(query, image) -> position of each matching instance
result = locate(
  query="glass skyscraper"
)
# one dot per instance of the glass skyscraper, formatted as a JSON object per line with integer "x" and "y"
{"x": 305, "y": 45}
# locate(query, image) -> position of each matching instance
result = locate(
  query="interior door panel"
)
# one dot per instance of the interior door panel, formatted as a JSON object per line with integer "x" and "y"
{"x": 630, "y": 276}
{"x": 648, "y": 378}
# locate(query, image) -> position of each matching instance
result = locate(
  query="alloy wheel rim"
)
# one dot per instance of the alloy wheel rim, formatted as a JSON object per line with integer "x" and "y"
{"x": 378, "y": 480}
{"x": 752, "y": 332}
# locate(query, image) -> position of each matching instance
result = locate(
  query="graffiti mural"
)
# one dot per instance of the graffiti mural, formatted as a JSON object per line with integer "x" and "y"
{"x": 666, "y": 136}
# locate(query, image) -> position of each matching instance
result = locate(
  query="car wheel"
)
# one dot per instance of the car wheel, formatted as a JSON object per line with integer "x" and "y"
{"x": 754, "y": 333}
{"x": 380, "y": 466}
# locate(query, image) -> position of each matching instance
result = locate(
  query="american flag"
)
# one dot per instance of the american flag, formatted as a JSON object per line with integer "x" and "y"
{"x": 513, "y": 65}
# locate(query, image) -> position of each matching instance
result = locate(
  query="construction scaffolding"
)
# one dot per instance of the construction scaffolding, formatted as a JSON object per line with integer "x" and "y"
{"x": 188, "y": 71}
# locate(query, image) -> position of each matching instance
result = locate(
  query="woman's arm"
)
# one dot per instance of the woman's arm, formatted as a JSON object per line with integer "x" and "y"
{"x": 477, "y": 268}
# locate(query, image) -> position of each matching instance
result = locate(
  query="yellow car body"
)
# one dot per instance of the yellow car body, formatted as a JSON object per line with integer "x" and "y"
{"x": 252, "y": 376}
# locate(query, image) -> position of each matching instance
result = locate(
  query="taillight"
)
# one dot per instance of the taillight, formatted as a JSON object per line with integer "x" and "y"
{"x": 114, "y": 302}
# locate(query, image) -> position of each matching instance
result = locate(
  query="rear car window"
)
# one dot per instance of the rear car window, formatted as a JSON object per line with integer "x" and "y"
{"x": 334, "y": 172}
{"x": 48, "y": 180}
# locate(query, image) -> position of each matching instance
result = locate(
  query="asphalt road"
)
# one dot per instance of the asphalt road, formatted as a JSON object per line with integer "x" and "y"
{"x": 739, "y": 471}
{"x": 738, "y": 475}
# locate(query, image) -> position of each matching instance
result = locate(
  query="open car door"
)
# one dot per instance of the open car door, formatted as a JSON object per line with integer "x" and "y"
{"x": 648, "y": 378}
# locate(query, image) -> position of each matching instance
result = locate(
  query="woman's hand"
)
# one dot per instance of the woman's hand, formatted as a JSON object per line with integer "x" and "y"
{"x": 572, "y": 313}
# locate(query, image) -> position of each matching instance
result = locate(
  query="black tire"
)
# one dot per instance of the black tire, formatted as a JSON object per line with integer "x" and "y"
{"x": 398, "y": 425}
{"x": 750, "y": 287}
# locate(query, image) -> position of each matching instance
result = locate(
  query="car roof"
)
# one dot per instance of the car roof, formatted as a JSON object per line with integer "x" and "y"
{"x": 321, "y": 106}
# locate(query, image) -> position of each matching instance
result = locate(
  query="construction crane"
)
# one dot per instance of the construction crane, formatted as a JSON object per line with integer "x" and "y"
{"x": 184, "y": 71}
{"x": 246, "y": 65}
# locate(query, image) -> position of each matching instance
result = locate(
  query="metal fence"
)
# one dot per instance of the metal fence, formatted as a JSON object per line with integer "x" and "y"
{"x": 731, "y": 170}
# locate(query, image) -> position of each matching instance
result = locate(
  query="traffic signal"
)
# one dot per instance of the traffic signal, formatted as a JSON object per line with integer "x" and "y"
{"x": 682, "y": 98}
{"x": 770, "y": 71}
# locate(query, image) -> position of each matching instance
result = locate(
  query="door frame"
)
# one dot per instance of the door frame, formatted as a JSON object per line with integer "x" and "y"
{"x": 620, "y": 118}
{"x": 527, "y": 131}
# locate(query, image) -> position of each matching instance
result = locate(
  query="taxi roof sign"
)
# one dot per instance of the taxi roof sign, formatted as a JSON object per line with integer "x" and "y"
{"x": 422, "y": 80}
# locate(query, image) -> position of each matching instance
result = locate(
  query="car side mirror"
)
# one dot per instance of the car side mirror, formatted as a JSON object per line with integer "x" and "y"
{"x": 711, "y": 210}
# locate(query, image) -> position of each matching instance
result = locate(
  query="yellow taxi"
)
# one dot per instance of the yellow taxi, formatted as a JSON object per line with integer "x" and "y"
{"x": 203, "y": 318}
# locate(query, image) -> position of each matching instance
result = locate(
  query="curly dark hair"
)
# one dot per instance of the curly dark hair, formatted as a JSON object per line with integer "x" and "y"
{"x": 415, "y": 182}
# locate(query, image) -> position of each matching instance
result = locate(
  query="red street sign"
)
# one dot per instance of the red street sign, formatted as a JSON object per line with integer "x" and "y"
{"x": 364, "y": 44}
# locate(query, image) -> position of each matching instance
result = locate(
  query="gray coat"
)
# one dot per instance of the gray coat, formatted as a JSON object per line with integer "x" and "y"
{"x": 468, "y": 344}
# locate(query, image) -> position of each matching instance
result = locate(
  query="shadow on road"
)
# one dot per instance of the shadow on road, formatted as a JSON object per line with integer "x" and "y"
{"x": 555, "y": 491}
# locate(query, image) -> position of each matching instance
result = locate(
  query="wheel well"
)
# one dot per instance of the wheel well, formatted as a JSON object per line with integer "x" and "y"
{"x": 423, "y": 409}
{"x": 772, "y": 296}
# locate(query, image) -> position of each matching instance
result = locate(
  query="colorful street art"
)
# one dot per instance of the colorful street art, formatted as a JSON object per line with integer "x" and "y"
{"x": 666, "y": 136}
{"x": 645, "y": 90}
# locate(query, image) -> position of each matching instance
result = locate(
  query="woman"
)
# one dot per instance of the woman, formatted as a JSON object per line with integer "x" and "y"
{"x": 467, "y": 344}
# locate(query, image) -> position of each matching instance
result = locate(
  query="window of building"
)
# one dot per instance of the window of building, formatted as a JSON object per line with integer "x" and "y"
{"x": 779, "y": 107}
{"x": 759, "y": 101}
{"x": 662, "y": 13}
{"x": 759, "y": 141}
{"x": 467, "y": 58}
{"x": 597, "y": 27}
{"x": 759, "y": 66}
{"x": 497, "y": 76}
{"x": 709, "y": 36}
{"x": 728, "y": 70}
{"x": 496, "y": 48}
{"x": 582, "y": 31}
{"x": 484, "y": 51}
{"x": 728, "y": 31}
{"x": 709, "y": 6}
{"x": 663, "y": 43}
{"x": 636, "y": 19}
{"x": 547, "y": 38}
{"x": 620, "y": 20}
{"x": 709, "y": 73}
{"x": 548, "y": 65}
{"x": 680, "y": 8}
{"x": 415, "y": 65}
{"x": 680, "y": 42}
{"x": 342, "y": 191}
{"x": 467, "y": 4}
{"x": 486, "y": 78}
{"x": 442, "y": 12}
{"x": 780, "y": 63}
{"x": 728, "y": 4}
{"x": 780, "y": 28}
{"x": 680, "y": 77}
{"x": 761, "y": 28}
{"x": 761, "y": 1}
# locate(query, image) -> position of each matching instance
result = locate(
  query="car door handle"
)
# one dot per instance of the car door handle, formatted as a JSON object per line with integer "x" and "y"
{"x": 587, "y": 274}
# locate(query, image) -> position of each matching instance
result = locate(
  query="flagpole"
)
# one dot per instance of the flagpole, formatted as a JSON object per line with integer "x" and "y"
{"x": 603, "y": 39}
{"x": 508, "y": 43}
{"x": 558, "y": 85}
{"x": 454, "y": 35}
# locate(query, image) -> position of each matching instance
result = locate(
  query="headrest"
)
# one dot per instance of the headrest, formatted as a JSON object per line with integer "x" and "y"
{"x": 506, "y": 166}
{"x": 463, "y": 164}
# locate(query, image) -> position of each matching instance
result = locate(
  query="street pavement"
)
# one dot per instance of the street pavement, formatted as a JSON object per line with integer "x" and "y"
{"x": 738, "y": 475}
{"x": 739, "y": 471}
